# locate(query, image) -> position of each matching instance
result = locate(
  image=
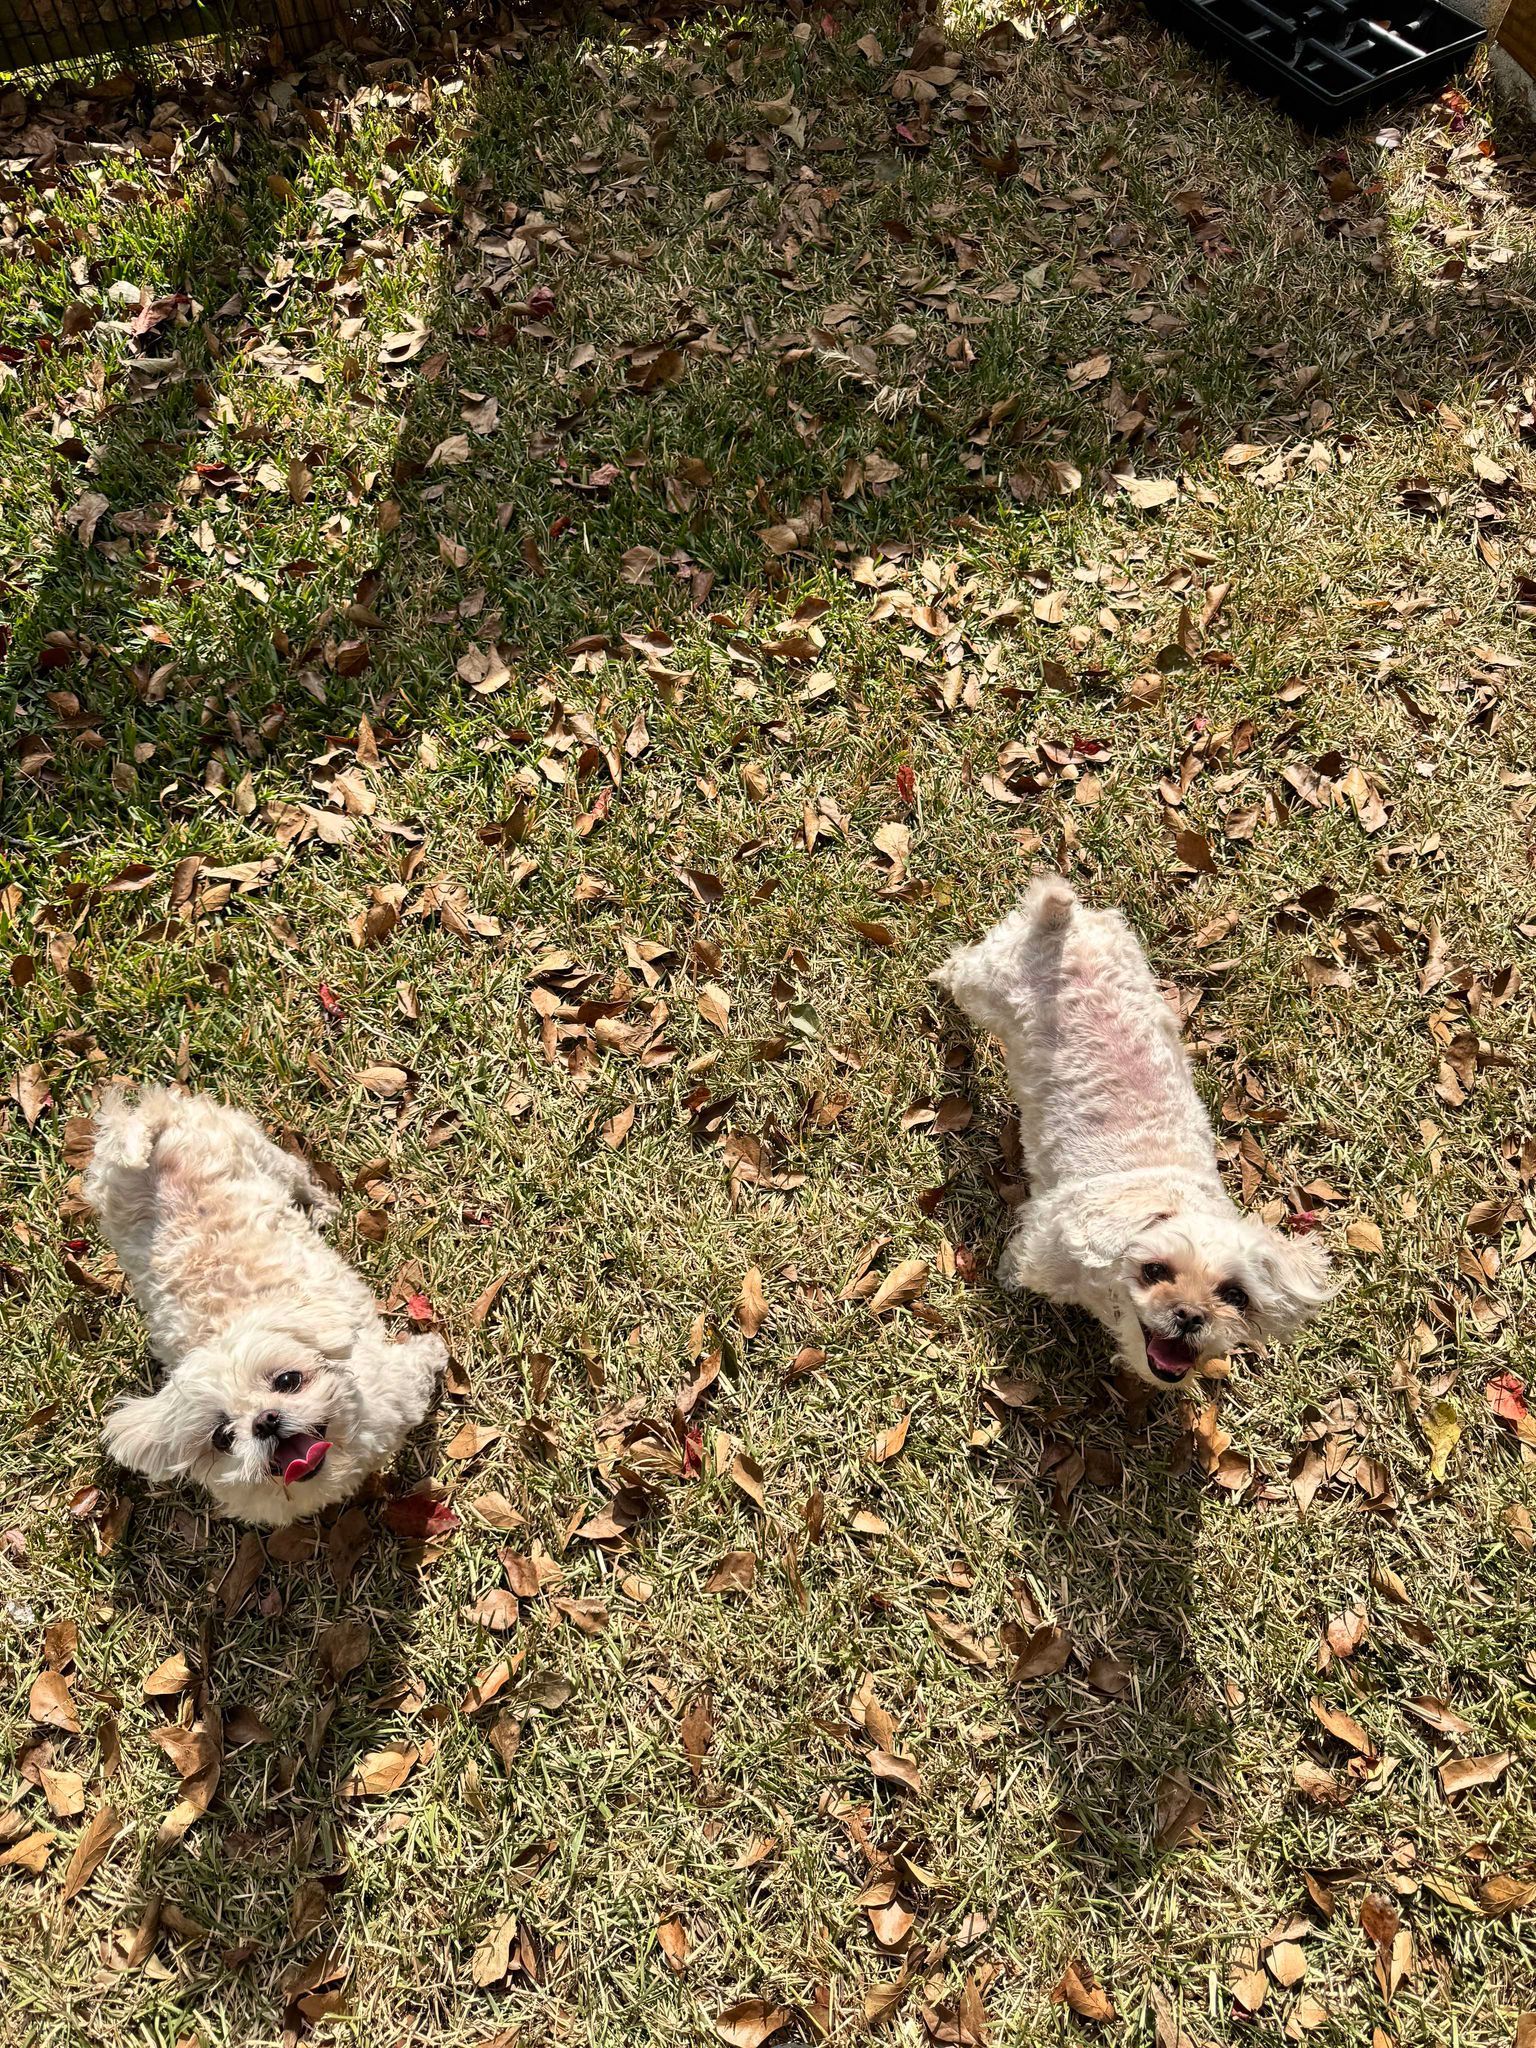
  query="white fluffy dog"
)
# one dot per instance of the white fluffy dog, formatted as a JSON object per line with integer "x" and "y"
{"x": 284, "y": 1390}
{"x": 1126, "y": 1215}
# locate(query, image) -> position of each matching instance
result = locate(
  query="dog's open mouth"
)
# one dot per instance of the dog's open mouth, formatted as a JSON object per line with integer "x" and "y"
{"x": 298, "y": 1456}
{"x": 1170, "y": 1357}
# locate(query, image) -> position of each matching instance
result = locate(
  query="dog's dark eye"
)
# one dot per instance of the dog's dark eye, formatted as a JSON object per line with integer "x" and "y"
{"x": 287, "y": 1382}
{"x": 1233, "y": 1295}
{"x": 1154, "y": 1273}
{"x": 223, "y": 1438}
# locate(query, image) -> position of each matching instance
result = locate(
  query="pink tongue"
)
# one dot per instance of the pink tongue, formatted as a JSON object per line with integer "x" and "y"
{"x": 301, "y": 1454}
{"x": 1172, "y": 1354}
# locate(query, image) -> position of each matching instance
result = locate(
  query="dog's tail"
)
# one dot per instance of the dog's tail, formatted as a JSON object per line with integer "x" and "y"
{"x": 986, "y": 979}
{"x": 1048, "y": 903}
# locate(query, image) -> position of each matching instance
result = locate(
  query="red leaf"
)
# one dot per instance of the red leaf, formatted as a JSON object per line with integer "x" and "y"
{"x": 420, "y": 1516}
{"x": 418, "y": 1308}
{"x": 906, "y": 783}
{"x": 1505, "y": 1395}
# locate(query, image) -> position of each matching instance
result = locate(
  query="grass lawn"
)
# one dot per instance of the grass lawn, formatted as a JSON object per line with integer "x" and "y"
{"x": 545, "y": 591}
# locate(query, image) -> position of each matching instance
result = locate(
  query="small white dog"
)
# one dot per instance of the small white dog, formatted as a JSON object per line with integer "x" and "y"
{"x": 284, "y": 1389}
{"x": 1126, "y": 1215}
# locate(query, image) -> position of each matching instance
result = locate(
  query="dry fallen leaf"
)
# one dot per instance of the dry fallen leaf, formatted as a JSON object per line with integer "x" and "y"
{"x": 890, "y": 1442}
{"x": 1466, "y": 1773}
{"x": 903, "y": 1284}
{"x": 51, "y": 1702}
{"x": 750, "y": 2022}
{"x": 382, "y": 1771}
{"x": 1081, "y": 1990}
{"x": 90, "y": 1850}
{"x": 752, "y": 1309}
{"x": 1442, "y": 1430}
{"x": 672, "y": 1937}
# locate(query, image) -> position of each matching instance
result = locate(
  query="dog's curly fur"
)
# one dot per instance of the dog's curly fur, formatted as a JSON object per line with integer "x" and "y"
{"x": 216, "y": 1229}
{"x": 1126, "y": 1215}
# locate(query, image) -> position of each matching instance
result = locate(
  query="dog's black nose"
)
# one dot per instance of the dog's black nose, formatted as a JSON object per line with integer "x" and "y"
{"x": 1188, "y": 1322}
{"x": 267, "y": 1426}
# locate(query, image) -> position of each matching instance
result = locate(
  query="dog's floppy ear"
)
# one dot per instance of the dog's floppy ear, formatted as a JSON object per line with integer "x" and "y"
{"x": 1298, "y": 1280}
{"x": 1097, "y": 1232}
{"x": 148, "y": 1434}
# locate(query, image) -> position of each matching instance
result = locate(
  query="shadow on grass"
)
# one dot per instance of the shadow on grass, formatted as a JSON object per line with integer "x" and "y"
{"x": 731, "y": 433}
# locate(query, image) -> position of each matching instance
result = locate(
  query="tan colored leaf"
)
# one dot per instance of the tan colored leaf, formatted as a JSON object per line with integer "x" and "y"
{"x": 752, "y": 1309}
{"x": 750, "y": 2022}
{"x": 90, "y": 1851}
{"x": 496, "y": 1511}
{"x": 31, "y": 1853}
{"x": 672, "y": 1937}
{"x": 1288, "y": 1963}
{"x": 903, "y": 1284}
{"x": 697, "y": 1728}
{"x": 52, "y": 1703}
{"x": 1362, "y": 1235}
{"x": 959, "y": 1642}
{"x": 896, "y": 1770}
{"x": 715, "y": 1007}
{"x": 1344, "y": 1727}
{"x": 167, "y": 1680}
{"x": 382, "y": 1771}
{"x": 735, "y": 1573}
{"x": 64, "y": 1792}
{"x": 1467, "y": 1773}
{"x": 890, "y": 1442}
{"x": 384, "y": 1081}
{"x": 494, "y": 1959}
{"x": 469, "y": 1440}
{"x": 1081, "y": 1990}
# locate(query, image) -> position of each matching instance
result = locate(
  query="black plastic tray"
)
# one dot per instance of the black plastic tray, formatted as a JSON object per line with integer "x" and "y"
{"x": 1328, "y": 59}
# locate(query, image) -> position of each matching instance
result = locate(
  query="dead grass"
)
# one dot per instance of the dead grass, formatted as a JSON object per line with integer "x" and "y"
{"x": 915, "y": 621}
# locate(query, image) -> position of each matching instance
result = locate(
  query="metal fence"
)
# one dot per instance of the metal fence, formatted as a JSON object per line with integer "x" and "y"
{"x": 44, "y": 32}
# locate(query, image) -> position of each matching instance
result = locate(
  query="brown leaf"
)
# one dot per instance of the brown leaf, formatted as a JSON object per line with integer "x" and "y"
{"x": 752, "y": 1309}
{"x": 1287, "y": 1963}
{"x": 51, "y": 1702}
{"x": 1344, "y": 1727}
{"x": 469, "y": 1440}
{"x": 496, "y": 1609}
{"x": 672, "y": 1936}
{"x": 384, "y": 1081}
{"x": 496, "y": 1956}
{"x": 1040, "y": 1654}
{"x": 715, "y": 1007}
{"x": 750, "y": 2022}
{"x": 1466, "y": 1773}
{"x": 890, "y": 1442}
{"x": 1082, "y": 1991}
{"x": 496, "y": 1511}
{"x": 343, "y": 1649}
{"x": 697, "y": 1728}
{"x": 903, "y": 1284}
{"x": 1347, "y": 1631}
{"x": 484, "y": 1302}
{"x": 382, "y": 1771}
{"x": 896, "y": 1770}
{"x": 169, "y": 1679}
{"x": 748, "y": 1475}
{"x": 959, "y": 1642}
{"x": 735, "y": 1573}
{"x": 31, "y": 1853}
{"x": 90, "y": 1851}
